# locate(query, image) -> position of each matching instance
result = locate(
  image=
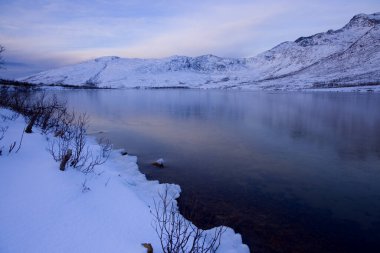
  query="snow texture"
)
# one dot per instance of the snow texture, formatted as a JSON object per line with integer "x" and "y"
{"x": 346, "y": 57}
{"x": 160, "y": 161}
{"x": 43, "y": 209}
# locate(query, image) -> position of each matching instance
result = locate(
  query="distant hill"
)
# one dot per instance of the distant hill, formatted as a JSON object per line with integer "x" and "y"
{"x": 349, "y": 56}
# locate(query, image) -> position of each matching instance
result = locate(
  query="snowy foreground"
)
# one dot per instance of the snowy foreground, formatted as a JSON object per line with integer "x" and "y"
{"x": 43, "y": 209}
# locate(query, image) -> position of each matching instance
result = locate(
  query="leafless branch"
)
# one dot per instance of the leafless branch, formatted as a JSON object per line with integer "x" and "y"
{"x": 85, "y": 188}
{"x": 178, "y": 235}
{"x": 52, "y": 116}
{"x": 2, "y": 49}
{"x": 11, "y": 147}
{"x": 3, "y": 130}
{"x": 20, "y": 142}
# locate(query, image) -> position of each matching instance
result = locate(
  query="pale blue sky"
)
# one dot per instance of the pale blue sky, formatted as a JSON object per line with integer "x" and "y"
{"x": 42, "y": 34}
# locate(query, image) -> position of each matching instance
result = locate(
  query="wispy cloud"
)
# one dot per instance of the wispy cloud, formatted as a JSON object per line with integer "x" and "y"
{"x": 53, "y": 33}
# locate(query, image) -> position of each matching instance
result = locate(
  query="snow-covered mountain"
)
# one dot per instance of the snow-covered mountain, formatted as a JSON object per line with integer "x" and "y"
{"x": 113, "y": 71}
{"x": 349, "y": 56}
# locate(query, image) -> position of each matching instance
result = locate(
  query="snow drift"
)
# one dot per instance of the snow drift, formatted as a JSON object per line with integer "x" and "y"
{"x": 43, "y": 209}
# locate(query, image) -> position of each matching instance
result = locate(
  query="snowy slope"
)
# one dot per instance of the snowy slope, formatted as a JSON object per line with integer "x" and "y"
{"x": 119, "y": 72}
{"x": 356, "y": 62}
{"x": 43, "y": 209}
{"x": 348, "y": 56}
{"x": 291, "y": 56}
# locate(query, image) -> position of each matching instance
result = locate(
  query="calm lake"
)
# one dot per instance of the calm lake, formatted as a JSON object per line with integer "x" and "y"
{"x": 291, "y": 172}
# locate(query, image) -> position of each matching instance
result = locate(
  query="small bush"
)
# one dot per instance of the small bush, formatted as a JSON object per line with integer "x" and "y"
{"x": 178, "y": 235}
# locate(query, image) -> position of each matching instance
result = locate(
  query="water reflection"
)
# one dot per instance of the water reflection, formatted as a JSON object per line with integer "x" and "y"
{"x": 293, "y": 172}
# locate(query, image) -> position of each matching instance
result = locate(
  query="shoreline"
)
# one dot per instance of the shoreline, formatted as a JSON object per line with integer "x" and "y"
{"x": 360, "y": 88}
{"x": 107, "y": 187}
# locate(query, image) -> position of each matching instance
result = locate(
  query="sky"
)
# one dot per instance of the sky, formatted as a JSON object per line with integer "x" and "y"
{"x": 41, "y": 34}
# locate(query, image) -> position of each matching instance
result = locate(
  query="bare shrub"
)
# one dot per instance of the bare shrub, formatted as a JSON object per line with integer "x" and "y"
{"x": 2, "y": 49}
{"x": 65, "y": 160}
{"x": 178, "y": 235}
{"x": 105, "y": 148}
{"x": 11, "y": 147}
{"x": 148, "y": 247}
{"x": 80, "y": 151}
{"x": 63, "y": 125}
{"x": 34, "y": 111}
{"x": 58, "y": 148}
{"x": 69, "y": 147}
{"x": 85, "y": 188}
{"x": 15, "y": 99}
{"x": 11, "y": 117}
{"x": 98, "y": 159}
{"x": 3, "y": 130}
{"x": 44, "y": 112}
{"x": 61, "y": 147}
{"x": 51, "y": 113}
{"x": 93, "y": 161}
{"x": 71, "y": 135}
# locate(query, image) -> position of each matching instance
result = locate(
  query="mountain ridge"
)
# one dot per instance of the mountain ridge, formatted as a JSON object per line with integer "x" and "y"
{"x": 298, "y": 64}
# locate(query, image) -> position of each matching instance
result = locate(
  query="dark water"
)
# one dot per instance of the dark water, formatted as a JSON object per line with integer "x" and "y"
{"x": 291, "y": 172}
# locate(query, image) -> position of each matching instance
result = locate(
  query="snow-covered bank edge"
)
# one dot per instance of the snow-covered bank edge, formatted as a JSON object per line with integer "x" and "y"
{"x": 353, "y": 89}
{"x": 43, "y": 209}
{"x": 358, "y": 89}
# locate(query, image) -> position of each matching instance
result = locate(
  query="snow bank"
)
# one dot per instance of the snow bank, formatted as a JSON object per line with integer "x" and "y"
{"x": 43, "y": 209}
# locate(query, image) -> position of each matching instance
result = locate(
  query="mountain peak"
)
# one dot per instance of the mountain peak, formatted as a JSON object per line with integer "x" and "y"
{"x": 106, "y": 58}
{"x": 364, "y": 20}
{"x": 347, "y": 56}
